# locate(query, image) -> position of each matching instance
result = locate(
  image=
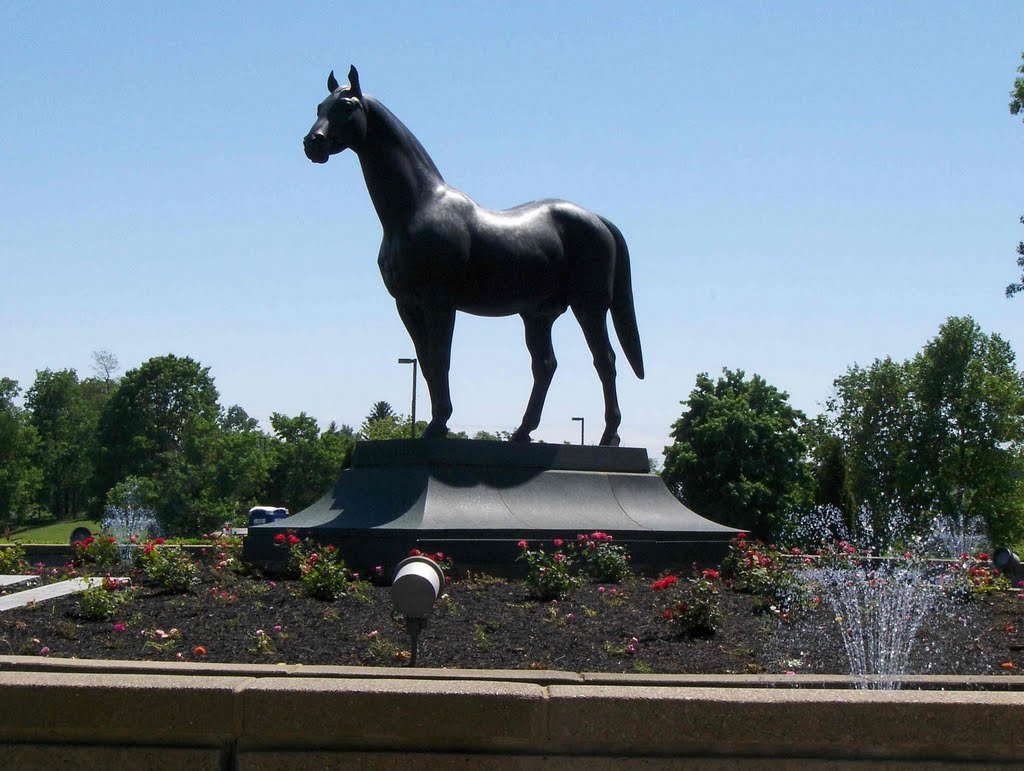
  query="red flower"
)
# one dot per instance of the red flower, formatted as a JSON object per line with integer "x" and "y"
{"x": 199, "y": 650}
{"x": 415, "y": 552}
{"x": 558, "y": 542}
{"x": 522, "y": 544}
{"x": 293, "y": 539}
{"x": 279, "y": 538}
{"x": 663, "y": 583}
{"x": 711, "y": 574}
{"x": 158, "y": 541}
{"x": 330, "y": 547}
{"x": 667, "y": 613}
{"x": 148, "y": 548}
{"x": 439, "y": 557}
{"x": 982, "y": 556}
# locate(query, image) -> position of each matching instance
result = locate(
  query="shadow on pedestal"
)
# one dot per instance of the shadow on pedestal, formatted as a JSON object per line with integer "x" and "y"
{"x": 475, "y": 500}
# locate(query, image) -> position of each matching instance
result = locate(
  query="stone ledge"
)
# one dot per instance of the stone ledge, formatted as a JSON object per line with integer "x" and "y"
{"x": 263, "y": 716}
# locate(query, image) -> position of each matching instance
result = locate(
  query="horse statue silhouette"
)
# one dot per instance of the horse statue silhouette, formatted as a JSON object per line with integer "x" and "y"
{"x": 442, "y": 253}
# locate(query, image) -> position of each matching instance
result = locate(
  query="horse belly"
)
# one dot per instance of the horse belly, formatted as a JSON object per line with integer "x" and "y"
{"x": 513, "y": 277}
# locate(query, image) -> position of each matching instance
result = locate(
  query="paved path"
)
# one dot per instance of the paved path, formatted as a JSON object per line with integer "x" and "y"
{"x": 7, "y": 581}
{"x": 49, "y": 592}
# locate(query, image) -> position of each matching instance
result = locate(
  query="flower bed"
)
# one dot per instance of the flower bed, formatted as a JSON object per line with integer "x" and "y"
{"x": 698, "y": 622}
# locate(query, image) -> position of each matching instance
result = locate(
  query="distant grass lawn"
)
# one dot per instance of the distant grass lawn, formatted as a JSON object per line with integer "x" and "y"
{"x": 52, "y": 532}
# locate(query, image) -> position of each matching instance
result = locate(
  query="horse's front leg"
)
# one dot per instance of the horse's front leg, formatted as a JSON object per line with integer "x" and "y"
{"x": 439, "y": 324}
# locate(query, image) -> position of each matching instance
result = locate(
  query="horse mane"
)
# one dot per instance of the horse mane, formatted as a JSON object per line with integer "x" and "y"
{"x": 401, "y": 132}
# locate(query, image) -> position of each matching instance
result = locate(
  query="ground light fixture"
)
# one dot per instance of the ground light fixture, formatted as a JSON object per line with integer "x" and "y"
{"x": 414, "y": 589}
{"x": 1007, "y": 562}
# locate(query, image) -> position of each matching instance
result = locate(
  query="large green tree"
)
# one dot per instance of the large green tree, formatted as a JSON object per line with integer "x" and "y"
{"x": 19, "y": 477}
{"x": 161, "y": 424}
{"x": 942, "y": 433}
{"x": 970, "y": 427}
{"x": 65, "y": 415}
{"x": 738, "y": 456}
{"x": 872, "y": 416}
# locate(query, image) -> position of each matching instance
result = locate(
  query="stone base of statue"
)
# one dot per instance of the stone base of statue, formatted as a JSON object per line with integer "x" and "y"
{"x": 475, "y": 500}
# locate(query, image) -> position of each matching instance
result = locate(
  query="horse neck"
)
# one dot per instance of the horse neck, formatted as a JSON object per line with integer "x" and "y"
{"x": 399, "y": 173}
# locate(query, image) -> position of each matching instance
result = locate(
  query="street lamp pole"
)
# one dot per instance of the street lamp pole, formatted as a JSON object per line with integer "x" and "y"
{"x": 582, "y": 423}
{"x": 412, "y": 427}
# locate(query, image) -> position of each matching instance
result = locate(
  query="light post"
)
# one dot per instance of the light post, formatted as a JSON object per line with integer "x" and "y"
{"x": 582, "y": 424}
{"x": 412, "y": 427}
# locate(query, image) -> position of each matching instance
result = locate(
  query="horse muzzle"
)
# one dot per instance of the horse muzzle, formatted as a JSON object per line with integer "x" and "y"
{"x": 315, "y": 147}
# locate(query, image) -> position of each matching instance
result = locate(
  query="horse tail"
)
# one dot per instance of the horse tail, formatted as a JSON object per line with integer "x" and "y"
{"x": 623, "y": 312}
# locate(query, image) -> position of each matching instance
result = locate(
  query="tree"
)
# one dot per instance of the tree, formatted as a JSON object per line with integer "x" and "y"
{"x": 160, "y": 423}
{"x": 1016, "y": 104}
{"x": 738, "y": 456}
{"x": 872, "y": 416}
{"x": 970, "y": 427}
{"x": 105, "y": 365}
{"x": 1017, "y": 95}
{"x": 306, "y": 461}
{"x": 19, "y": 478}
{"x": 65, "y": 419}
{"x": 942, "y": 433}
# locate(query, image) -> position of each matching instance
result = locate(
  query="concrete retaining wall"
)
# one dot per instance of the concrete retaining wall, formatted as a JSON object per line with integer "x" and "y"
{"x": 89, "y": 714}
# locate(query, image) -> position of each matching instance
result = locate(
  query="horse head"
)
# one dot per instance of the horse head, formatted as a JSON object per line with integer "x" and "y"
{"x": 340, "y": 120}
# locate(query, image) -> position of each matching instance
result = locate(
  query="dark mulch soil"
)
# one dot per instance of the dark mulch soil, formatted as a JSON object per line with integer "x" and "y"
{"x": 489, "y": 623}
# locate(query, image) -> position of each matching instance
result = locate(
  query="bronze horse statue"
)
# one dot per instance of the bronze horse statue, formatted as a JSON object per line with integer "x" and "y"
{"x": 442, "y": 253}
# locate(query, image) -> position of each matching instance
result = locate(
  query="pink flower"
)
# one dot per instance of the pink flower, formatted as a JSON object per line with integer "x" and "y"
{"x": 522, "y": 544}
{"x": 559, "y": 557}
{"x": 119, "y": 627}
{"x": 558, "y": 542}
{"x": 600, "y": 590}
{"x": 631, "y": 648}
{"x": 44, "y": 651}
{"x": 277, "y": 627}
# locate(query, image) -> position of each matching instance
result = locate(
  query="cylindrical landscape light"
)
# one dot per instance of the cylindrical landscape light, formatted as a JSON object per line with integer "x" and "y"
{"x": 414, "y": 590}
{"x": 1007, "y": 562}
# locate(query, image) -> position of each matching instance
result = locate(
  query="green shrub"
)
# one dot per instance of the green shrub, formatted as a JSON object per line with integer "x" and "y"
{"x": 600, "y": 559}
{"x": 100, "y": 552}
{"x": 547, "y": 575}
{"x": 12, "y": 560}
{"x": 169, "y": 567}
{"x": 104, "y": 601}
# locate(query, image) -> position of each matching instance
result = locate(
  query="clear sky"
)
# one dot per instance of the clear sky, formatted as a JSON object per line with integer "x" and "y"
{"x": 803, "y": 186}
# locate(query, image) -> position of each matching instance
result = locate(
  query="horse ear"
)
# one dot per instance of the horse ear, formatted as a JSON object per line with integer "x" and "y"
{"x": 332, "y": 83}
{"x": 353, "y": 81}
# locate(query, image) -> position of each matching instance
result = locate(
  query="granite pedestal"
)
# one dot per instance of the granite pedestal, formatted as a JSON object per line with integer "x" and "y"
{"x": 475, "y": 500}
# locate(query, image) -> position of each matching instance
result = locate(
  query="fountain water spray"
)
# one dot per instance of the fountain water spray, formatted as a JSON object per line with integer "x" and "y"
{"x": 127, "y": 516}
{"x": 879, "y": 598}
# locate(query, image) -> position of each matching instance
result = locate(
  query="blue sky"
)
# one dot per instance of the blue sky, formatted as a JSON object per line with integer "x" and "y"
{"x": 802, "y": 186}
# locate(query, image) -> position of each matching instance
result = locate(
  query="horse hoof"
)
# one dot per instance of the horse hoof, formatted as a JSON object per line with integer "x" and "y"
{"x": 435, "y": 431}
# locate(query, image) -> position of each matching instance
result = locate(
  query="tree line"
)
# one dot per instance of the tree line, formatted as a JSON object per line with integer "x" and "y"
{"x": 941, "y": 433}
{"x": 161, "y": 432}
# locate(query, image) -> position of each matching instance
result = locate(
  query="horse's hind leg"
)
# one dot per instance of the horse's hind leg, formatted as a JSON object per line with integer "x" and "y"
{"x": 594, "y": 322}
{"x": 542, "y": 354}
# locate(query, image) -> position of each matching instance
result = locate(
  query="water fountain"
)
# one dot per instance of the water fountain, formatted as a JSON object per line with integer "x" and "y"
{"x": 879, "y": 594}
{"x": 128, "y": 517}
